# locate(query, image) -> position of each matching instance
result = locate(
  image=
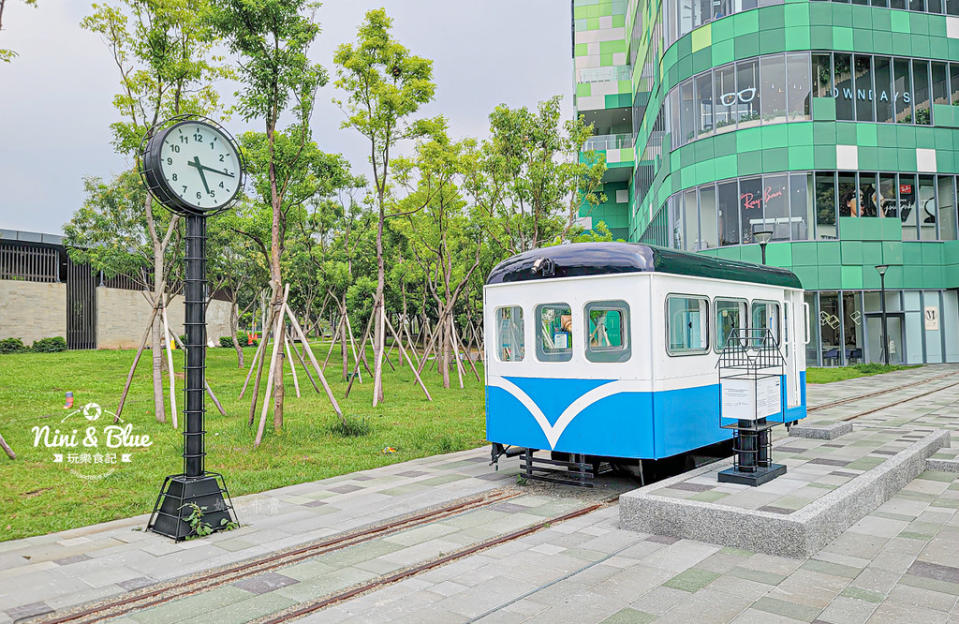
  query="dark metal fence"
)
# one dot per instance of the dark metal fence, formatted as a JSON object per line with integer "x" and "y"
{"x": 29, "y": 263}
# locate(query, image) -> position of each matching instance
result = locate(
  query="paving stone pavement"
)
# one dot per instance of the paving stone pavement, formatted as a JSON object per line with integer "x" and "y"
{"x": 900, "y": 563}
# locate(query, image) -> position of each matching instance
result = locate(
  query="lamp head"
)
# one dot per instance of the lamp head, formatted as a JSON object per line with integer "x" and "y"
{"x": 882, "y": 269}
{"x": 763, "y": 236}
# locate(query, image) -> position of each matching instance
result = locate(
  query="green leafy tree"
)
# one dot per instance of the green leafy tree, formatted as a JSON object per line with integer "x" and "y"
{"x": 385, "y": 86}
{"x": 528, "y": 179}
{"x": 272, "y": 39}
{"x": 8, "y": 55}
{"x": 163, "y": 53}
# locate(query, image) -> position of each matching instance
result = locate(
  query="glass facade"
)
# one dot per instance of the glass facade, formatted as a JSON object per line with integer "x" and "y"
{"x": 746, "y": 120}
{"x": 800, "y": 206}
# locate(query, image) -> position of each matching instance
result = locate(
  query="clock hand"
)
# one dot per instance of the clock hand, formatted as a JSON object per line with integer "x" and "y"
{"x": 200, "y": 168}
{"x": 217, "y": 171}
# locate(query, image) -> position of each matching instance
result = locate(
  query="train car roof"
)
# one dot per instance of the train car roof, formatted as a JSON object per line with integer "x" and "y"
{"x": 578, "y": 259}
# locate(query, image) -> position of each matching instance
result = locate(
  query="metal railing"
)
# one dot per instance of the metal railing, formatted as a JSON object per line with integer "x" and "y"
{"x": 609, "y": 141}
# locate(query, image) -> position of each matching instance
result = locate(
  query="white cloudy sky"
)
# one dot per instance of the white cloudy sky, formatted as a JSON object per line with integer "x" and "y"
{"x": 55, "y": 98}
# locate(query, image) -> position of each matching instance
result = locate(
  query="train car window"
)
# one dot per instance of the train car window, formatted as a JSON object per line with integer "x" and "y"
{"x": 766, "y": 316}
{"x": 607, "y": 331}
{"x": 730, "y": 315}
{"x": 511, "y": 346}
{"x": 687, "y": 325}
{"x": 554, "y": 341}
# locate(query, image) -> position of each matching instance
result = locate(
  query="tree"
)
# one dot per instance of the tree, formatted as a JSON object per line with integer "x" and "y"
{"x": 385, "y": 85}
{"x": 443, "y": 236}
{"x": 272, "y": 39}
{"x": 528, "y": 178}
{"x": 163, "y": 53}
{"x": 8, "y": 55}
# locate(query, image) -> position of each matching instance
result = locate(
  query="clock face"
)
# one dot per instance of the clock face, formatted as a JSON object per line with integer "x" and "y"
{"x": 200, "y": 165}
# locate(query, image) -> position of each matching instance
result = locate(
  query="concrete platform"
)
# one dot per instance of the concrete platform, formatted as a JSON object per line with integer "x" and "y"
{"x": 828, "y": 488}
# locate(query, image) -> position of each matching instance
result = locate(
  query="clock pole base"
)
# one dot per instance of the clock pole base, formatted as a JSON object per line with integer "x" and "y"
{"x": 174, "y": 505}
{"x": 761, "y": 475}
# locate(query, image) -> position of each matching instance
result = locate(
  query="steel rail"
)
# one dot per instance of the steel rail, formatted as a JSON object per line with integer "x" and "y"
{"x": 179, "y": 588}
{"x": 878, "y": 392}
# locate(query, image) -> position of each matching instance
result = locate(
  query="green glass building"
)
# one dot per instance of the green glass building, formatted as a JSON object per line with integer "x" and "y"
{"x": 834, "y": 126}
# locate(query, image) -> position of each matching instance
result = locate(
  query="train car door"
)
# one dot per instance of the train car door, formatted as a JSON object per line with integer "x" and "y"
{"x": 792, "y": 348}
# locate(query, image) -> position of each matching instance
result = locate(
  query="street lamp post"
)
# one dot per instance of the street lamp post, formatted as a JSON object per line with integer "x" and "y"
{"x": 882, "y": 295}
{"x": 763, "y": 237}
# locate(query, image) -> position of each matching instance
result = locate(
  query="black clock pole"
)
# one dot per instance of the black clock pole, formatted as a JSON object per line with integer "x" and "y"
{"x": 195, "y": 325}
{"x": 194, "y": 502}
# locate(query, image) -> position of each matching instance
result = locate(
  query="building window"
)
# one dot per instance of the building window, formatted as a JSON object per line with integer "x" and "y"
{"x": 884, "y": 103}
{"x": 555, "y": 322}
{"x": 928, "y": 212}
{"x": 687, "y": 325}
{"x": 728, "y": 213}
{"x": 511, "y": 345}
{"x": 801, "y": 206}
{"x": 797, "y": 72}
{"x": 607, "y": 331}
{"x": 862, "y": 69}
{"x": 747, "y": 98}
{"x": 902, "y": 91}
{"x": 772, "y": 69}
{"x": 751, "y": 207}
{"x": 730, "y": 315}
{"x": 920, "y": 88}
{"x": 707, "y": 218}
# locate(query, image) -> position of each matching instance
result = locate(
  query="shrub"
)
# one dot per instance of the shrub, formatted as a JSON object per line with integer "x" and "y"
{"x": 11, "y": 345}
{"x": 226, "y": 341}
{"x": 55, "y": 344}
{"x": 351, "y": 427}
{"x": 242, "y": 336}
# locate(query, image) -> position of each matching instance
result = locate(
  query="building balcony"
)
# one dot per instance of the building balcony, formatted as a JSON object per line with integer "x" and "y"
{"x": 605, "y": 142}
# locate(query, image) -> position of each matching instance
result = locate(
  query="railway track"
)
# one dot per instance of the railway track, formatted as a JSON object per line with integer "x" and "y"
{"x": 163, "y": 593}
{"x": 876, "y": 393}
{"x": 181, "y": 587}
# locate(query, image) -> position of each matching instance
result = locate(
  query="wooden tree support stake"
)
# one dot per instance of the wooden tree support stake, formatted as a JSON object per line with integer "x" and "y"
{"x": 256, "y": 358}
{"x": 408, "y": 360}
{"x": 133, "y": 368}
{"x": 206, "y": 383}
{"x": 316, "y": 365}
{"x": 169, "y": 361}
{"x": 289, "y": 356}
{"x": 272, "y": 371}
{"x": 356, "y": 370}
{"x": 6, "y": 448}
{"x": 306, "y": 369}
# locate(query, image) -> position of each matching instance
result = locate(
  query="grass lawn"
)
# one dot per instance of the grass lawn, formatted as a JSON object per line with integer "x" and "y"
{"x": 828, "y": 375}
{"x": 40, "y": 496}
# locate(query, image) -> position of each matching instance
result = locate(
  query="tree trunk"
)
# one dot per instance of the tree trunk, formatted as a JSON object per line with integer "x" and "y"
{"x": 234, "y": 323}
{"x": 278, "y": 389}
{"x": 379, "y": 330}
{"x": 157, "y": 350}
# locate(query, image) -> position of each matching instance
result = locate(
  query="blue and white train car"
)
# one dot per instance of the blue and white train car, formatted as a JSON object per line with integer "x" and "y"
{"x": 609, "y": 350}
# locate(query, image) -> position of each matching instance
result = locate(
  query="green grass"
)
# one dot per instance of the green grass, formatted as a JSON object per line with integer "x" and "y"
{"x": 39, "y": 496}
{"x": 828, "y": 375}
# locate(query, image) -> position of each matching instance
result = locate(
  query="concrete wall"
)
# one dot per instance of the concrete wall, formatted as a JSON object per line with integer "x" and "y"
{"x": 122, "y": 317}
{"x": 32, "y": 310}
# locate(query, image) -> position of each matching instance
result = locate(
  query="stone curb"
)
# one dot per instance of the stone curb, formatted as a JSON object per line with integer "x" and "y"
{"x": 942, "y": 465}
{"x": 799, "y": 534}
{"x": 821, "y": 432}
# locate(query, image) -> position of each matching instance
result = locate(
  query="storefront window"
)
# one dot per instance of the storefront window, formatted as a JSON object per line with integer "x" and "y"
{"x": 829, "y": 329}
{"x": 940, "y": 88}
{"x": 902, "y": 91}
{"x": 826, "y": 206}
{"x": 907, "y": 207}
{"x": 868, "y": 194}
{"x": 812, "y": 347}
{"x": 691, "y": 219}
{"x": 864, "y": 89}
{"x": 888, "y": 200}
{"x": 728, "y": 213}
{"x": 751, "y": 207}
{"x": 801, "y": 206}
{"x": 954, "y": 81}
{"x": 883, "y": 93}
{"x": 676, "y": 221}
{"x": 852, "y": 327}
{"x": 747, "y": 97}
{"x": 920, "y": 82}
{"x": 849, "y": 199}
{"x": 946, "y": 199}
{"x": 687, "y": 114}
{"x": 821, "y": 70}
{"x": 928, "y": 214}
{"x": 772, "y": 69}
{"x": 776, "y": 206}
{"x": 797, "y": 71}
{"x": 707, "y": 217}
{"x": 725, "y": 97}
{"x": 704, "y": 108}
{"x": 843, "y": 89}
